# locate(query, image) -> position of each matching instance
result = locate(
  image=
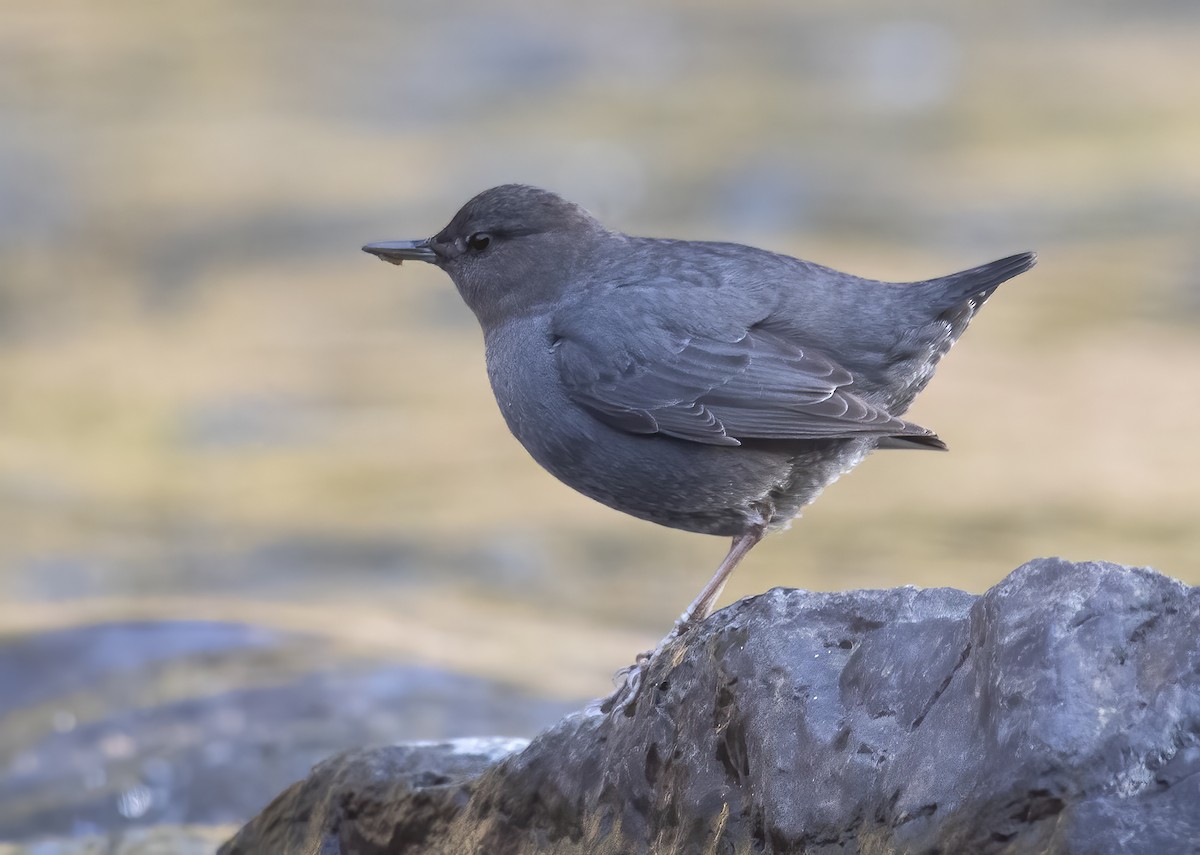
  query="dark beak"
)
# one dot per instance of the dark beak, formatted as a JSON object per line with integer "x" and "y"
{"x": 397, "y": 251}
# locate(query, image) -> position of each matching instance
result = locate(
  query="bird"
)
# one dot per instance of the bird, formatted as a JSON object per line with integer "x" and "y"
{"x": 706, "y": 386}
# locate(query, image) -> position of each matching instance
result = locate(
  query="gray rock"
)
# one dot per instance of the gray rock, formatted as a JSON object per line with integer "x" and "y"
{"x": 1057, "y": 713}
{"x": 372, "y": 800}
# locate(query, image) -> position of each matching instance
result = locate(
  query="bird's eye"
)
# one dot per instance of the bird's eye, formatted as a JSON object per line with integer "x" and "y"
{"x": 479, "y": 241}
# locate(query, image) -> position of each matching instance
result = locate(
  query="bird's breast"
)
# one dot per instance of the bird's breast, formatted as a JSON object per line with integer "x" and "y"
{"x": 525, "y": 380}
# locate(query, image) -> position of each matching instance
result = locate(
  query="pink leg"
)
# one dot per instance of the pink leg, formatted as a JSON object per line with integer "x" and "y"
{"x": 702, "y": 606}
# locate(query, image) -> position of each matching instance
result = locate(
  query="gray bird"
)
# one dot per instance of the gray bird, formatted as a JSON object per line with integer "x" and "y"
{"x": 710, "y": 387}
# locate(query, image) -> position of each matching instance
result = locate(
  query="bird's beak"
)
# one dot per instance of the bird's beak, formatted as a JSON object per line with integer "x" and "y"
{"x": 397, "y": 251}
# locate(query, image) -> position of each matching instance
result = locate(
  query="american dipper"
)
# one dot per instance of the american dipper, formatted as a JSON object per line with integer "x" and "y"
{"x": 710, "y": 387}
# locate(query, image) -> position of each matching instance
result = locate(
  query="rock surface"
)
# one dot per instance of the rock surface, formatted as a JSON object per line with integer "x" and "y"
{"x": 1057, "y": 713}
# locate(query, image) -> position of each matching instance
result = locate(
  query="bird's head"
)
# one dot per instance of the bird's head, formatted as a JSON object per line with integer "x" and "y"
{"x": 510, "y": 250}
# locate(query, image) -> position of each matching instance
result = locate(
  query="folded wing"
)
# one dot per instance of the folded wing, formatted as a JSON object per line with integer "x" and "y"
{"x": 702, "y": 388}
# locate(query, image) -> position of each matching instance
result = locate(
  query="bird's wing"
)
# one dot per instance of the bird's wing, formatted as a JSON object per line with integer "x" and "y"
{"x": 716, "y": 390}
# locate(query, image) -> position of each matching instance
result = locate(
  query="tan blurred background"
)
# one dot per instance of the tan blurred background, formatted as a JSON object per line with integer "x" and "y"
{"x": 213, "y": 406}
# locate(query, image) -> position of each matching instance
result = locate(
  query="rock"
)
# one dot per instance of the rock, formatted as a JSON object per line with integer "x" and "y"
{"x": 1057, "y": 713}
{"x": 370, "y": 799}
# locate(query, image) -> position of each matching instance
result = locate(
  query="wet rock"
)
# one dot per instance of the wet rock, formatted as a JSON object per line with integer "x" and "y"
{"x": 1057, "y": 713}
{"x": 373, "y": 799}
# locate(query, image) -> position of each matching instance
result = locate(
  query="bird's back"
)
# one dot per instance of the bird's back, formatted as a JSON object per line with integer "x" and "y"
{"x": 889, "y": 335}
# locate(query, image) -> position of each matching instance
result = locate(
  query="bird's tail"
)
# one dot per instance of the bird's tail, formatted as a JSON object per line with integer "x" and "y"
{"x": 978, "y": 283}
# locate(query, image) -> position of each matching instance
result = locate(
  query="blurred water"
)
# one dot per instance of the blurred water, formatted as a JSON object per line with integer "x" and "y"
{"x": 184, "y": 722}
{"x": 36, "y": 668}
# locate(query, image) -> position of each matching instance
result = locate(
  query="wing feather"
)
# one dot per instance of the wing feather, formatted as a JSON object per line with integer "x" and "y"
{"x": 704, "y": 389}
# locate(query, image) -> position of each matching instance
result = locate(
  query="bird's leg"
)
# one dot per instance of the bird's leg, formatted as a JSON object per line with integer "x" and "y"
{"x": 700, "y": 608}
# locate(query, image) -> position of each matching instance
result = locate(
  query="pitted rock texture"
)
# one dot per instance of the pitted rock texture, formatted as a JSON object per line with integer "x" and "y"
{"x": 1057, "y": 713}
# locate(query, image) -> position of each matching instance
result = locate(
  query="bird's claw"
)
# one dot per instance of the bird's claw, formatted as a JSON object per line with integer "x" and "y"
{"x": 629, "y": 679}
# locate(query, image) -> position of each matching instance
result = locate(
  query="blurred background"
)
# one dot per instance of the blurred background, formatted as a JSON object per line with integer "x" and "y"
{"x": 256, "y": 500}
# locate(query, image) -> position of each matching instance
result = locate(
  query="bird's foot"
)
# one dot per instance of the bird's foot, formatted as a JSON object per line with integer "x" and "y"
{"x": 629, "y": 679}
